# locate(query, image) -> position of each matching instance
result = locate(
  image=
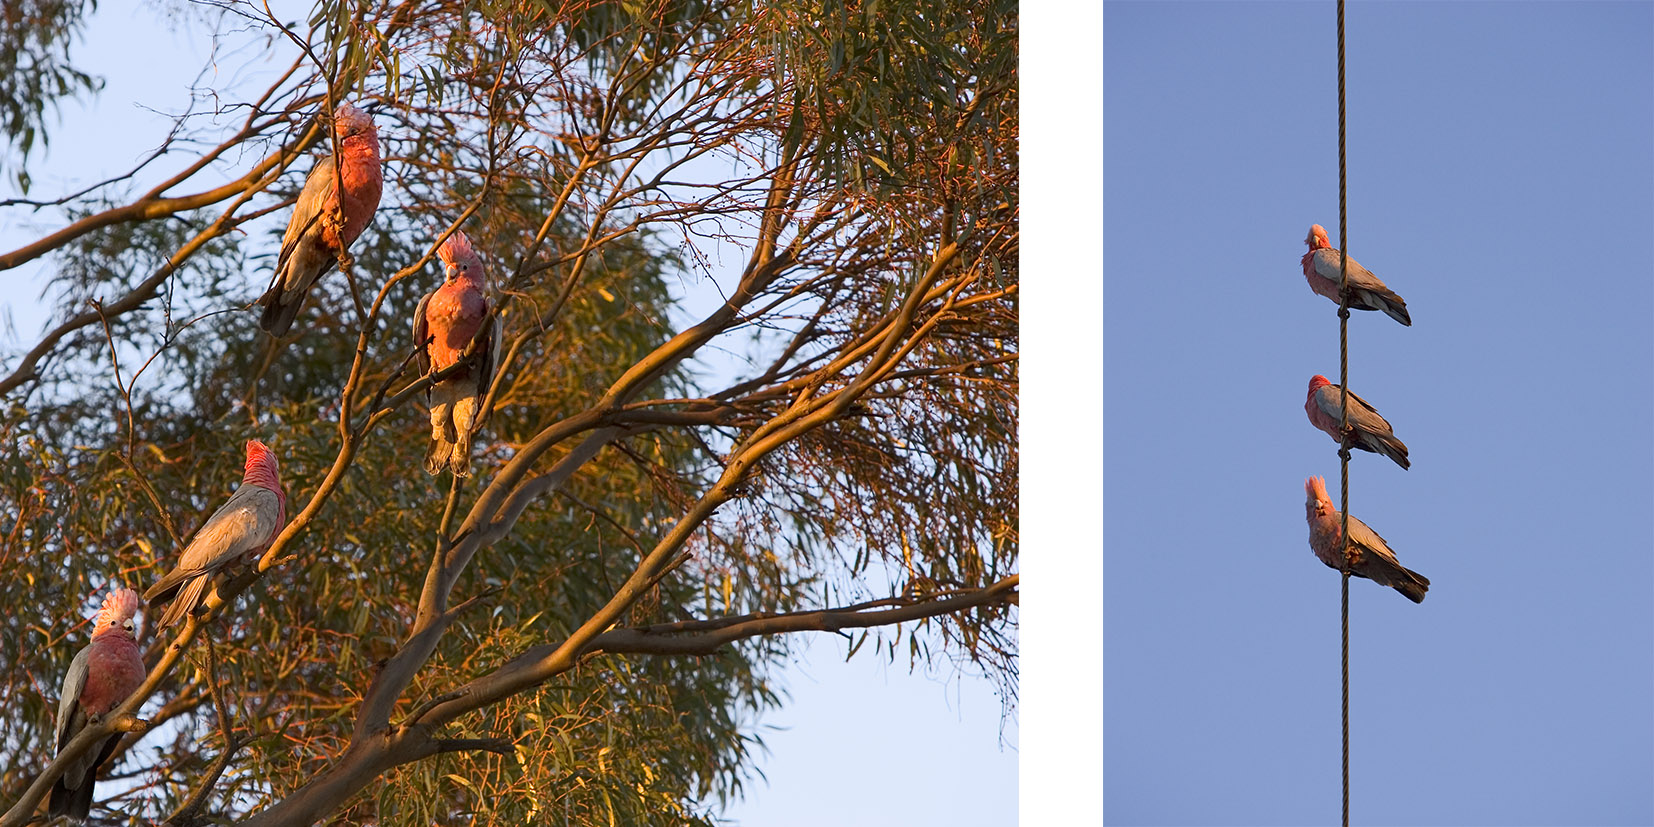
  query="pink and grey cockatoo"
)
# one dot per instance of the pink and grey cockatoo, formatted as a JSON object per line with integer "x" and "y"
{"x": 314, "y": 238}
{"x": 101, "y": 677}
{"x": 1366, "y": 291}
{"x": 445, "y": 322}
{"x": 244, "y": 525}
{"x": 1368, "y": 430}
{"x": 1370, "y": 556}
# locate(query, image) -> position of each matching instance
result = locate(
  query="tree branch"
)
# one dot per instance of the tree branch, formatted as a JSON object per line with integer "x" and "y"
{"x": 25, "y": 370}
{"x": 707, "y": 636}
{"x": 120, "y": 719}
{"x": 153, "y": 206}
{"x": 367, "y": 758}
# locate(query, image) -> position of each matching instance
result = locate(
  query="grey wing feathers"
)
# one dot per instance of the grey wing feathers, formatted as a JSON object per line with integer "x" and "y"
{"x": 1326, "y": 263}
{"x": 1367, "y": 538}
{"x": 1383, "y": 568}
{"x": 303, "y": 257}
{"x": 1366, "y": 415}
{"x": 1372, "y": 431}
{"x": 488, "y": 361}
{"x": 308, "y": 209}
{"x": 73, "y": 682}
{"x": 244, "y": 522}
{"x": 422, "y": 333}
{"x": 1362, "y": 414}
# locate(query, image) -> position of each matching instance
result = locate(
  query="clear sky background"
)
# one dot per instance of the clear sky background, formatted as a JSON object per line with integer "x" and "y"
{"x": 1500, "y": 180}
{"x": 863, "y": 742}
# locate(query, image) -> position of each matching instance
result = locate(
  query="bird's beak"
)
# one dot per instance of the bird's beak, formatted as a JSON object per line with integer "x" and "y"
{"x": 451, "y": 272}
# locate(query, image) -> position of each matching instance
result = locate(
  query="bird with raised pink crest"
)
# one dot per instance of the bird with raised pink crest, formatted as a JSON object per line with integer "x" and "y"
{"x": 101, "y": 677}
{"x": 1370, "y": 556}
{"x": 1367, "y": 292}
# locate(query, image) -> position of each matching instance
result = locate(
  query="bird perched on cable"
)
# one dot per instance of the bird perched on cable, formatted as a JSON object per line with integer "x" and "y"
{"x": 101, "y": 677}
{"x": 445, "y": 323}
{"x": 314, "y": 238}
{"x": 1369, "y": 555}
{"x": 1366, "y": 291}
{"x": 245, "y": 525}
{"x": 1368, "y": 431}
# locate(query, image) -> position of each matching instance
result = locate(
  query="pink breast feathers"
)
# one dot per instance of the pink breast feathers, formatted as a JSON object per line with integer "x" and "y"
{"x": 455, "y": 313}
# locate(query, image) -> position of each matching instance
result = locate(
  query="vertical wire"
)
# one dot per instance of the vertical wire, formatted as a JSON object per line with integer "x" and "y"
{"x": 1344, "y": 402}
{"x": 1346, "y": 675}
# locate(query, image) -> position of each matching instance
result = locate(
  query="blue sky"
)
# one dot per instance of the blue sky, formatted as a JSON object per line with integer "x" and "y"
{"x": 1501, "y": 181}
{"x": 939, "y": 732}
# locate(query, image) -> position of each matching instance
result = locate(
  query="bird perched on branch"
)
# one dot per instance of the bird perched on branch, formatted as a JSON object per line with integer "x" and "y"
{"x": 1366, "y": 291}
{"x": 245, "y": 525}
{"x": 1368, "y": 431}
{"x": 445, "y": 323}
{"x": 1369, "y": 555}
{"x": 314, "y": 238}
{"x": 101, "y": 677}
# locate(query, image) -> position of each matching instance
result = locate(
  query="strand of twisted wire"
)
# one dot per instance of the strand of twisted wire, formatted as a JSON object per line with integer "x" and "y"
{"x": 1344, "y": 403}
{"x": 1346, "y": 675}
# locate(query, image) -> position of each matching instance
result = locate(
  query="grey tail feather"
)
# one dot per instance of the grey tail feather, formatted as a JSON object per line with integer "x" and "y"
{"x": 188, "y": 596}
{"x": 78, "y": 802}
{"x": 1396, "y": 309}
{"x": 278, "y": 317}
{"x": 1390, "y": 303}
{"x": 75, "y": 803}
{"x": 1389, "y": 446}
{"x": 1385, "y": 300}
{"x": 162, "y": 590}
{"x": 1412, "y": 584}
{"x": 1397, "y": 450}
{"x": 441, "y": 449}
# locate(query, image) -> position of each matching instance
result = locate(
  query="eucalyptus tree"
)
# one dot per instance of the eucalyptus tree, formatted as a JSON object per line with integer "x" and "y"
{"x": 756, "y": 266}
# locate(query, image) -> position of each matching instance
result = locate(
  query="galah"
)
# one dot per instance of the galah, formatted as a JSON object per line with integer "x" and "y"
{"x": 1368, "y": 430}
{"x": 1370, "y": 556}
{"x": 314, "y": 238}
{"x": 445, "y": 322}
{"x": 1366, "y": 291}
{"x": 101, "y": 677}
{"x": 245, "y": 525}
